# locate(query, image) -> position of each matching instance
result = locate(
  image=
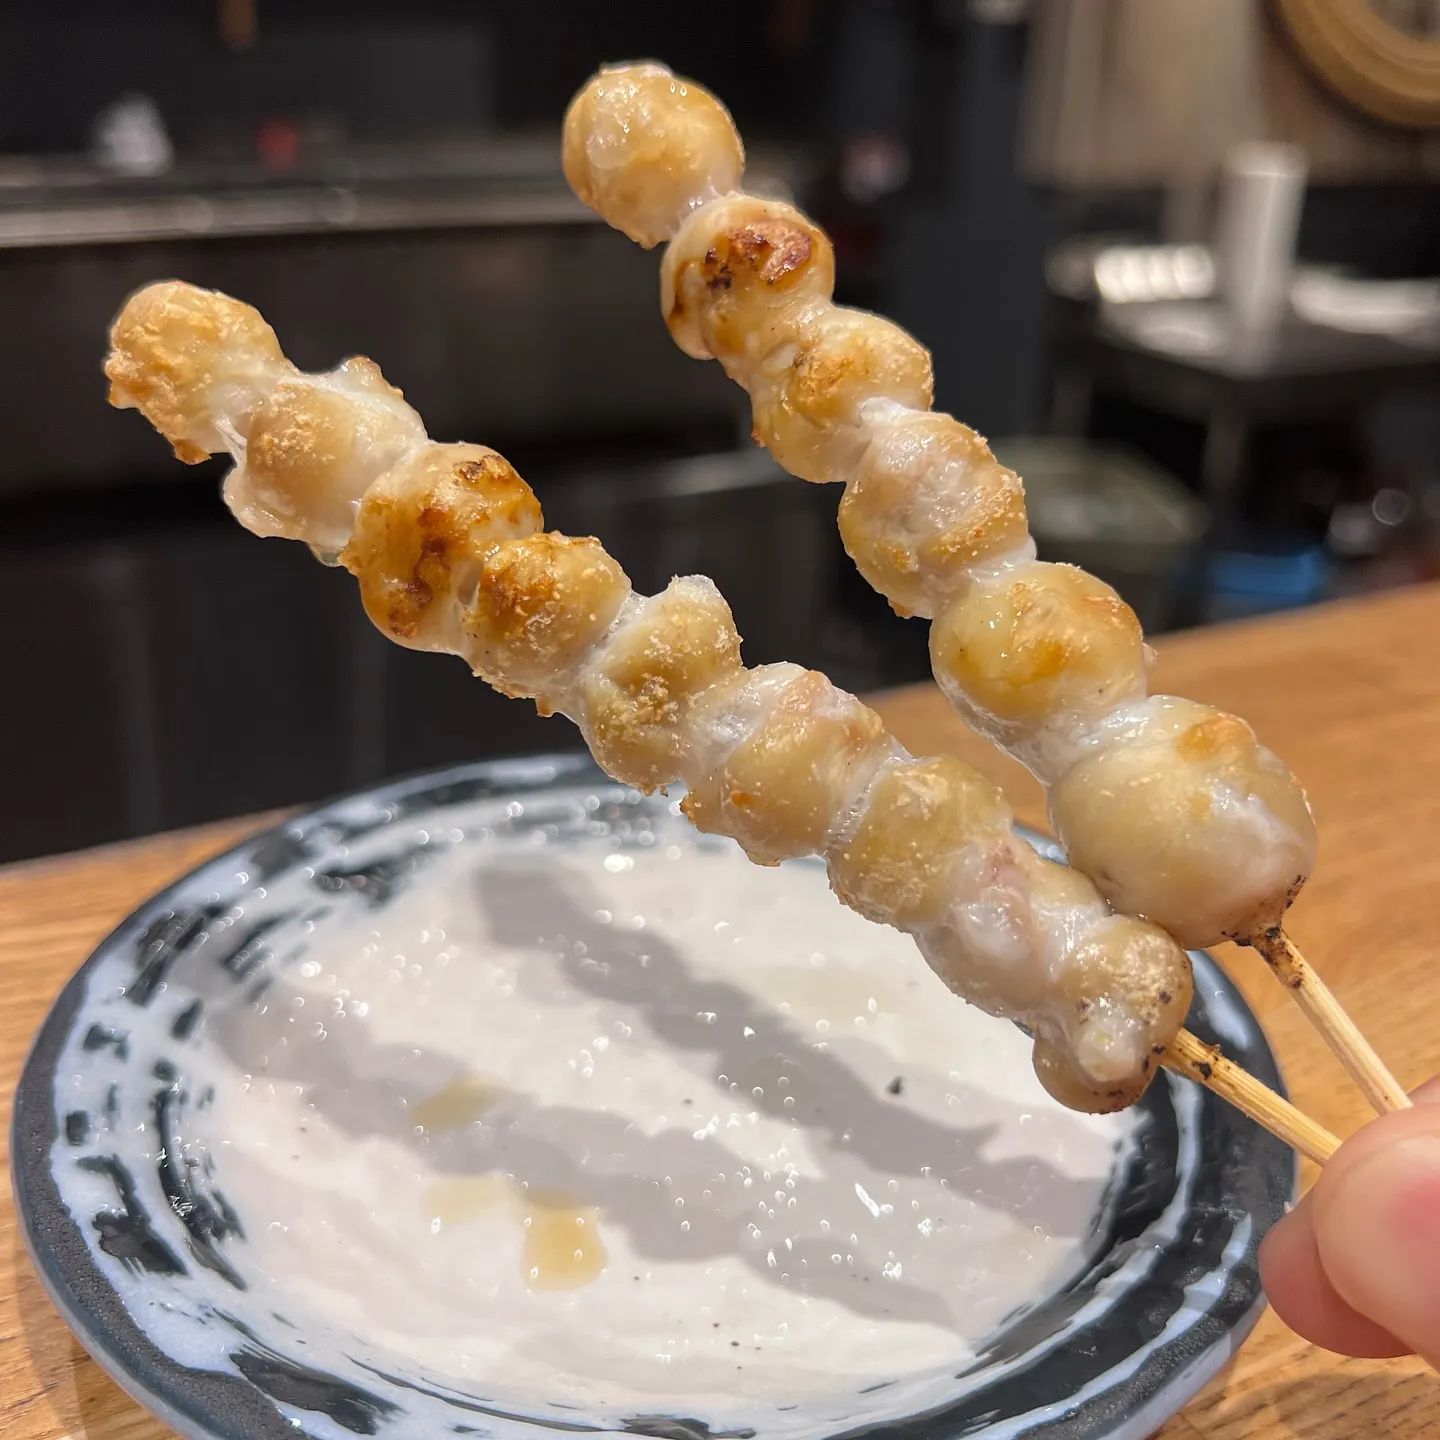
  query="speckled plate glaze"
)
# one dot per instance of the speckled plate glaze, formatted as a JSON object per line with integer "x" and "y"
{"x": 147, "y": 1260}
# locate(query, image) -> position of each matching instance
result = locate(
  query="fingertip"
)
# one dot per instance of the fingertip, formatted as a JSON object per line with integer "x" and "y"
{"x": 1292, "y": 1269}
{"x": 1303, "y": 1297}
{"x": 1375, "y": 1222}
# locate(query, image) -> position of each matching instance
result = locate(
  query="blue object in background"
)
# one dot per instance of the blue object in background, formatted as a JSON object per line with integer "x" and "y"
{"x": 1244, "y": 582}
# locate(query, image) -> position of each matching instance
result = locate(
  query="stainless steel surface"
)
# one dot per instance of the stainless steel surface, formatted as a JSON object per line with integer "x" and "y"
{"x": 500, "y": 182}
{"x": 264, "y": 212}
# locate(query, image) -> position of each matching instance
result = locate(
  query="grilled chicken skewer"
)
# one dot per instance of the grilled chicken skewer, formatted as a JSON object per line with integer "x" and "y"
{"x": 1172, "y": 808}
{"x": 447, "y": 544}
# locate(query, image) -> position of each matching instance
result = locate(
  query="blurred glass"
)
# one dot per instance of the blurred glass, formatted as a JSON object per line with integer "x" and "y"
{"x": 1261, "y": 195}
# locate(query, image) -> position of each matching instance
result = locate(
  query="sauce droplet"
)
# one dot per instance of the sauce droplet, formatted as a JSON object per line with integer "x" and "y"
{"x": 463, "y": 1101}
{"x": 563, "y": 1249}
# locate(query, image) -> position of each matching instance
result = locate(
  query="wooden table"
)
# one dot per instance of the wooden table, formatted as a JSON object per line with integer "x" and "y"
{"x": 1349, "y": 694}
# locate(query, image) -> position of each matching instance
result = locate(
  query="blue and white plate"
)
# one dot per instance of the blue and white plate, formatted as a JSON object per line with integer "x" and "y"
{"x": 499, "y": 1102}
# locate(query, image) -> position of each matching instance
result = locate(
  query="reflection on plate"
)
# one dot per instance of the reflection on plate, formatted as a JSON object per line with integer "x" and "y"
{"x": 501, "y": 1102}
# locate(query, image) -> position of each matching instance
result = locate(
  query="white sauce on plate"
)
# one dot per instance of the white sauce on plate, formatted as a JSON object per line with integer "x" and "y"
{"x": 646, "y": 1125}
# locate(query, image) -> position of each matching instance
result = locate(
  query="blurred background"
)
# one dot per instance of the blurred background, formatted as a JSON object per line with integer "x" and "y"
{"x": 1177, "y": 260}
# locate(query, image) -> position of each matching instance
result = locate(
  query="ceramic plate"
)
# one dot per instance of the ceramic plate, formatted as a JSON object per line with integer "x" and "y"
{"x": 500, "y": 1102}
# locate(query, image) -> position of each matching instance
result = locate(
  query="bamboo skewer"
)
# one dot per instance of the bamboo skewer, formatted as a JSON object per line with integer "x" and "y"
{"x": 385, "y": 561}
{"x": 1190, "y": 1056}
{"x": 1329, "y": 1017}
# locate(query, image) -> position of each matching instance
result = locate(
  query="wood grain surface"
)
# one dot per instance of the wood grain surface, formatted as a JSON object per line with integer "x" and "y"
{"x": 1348, "y": 694}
